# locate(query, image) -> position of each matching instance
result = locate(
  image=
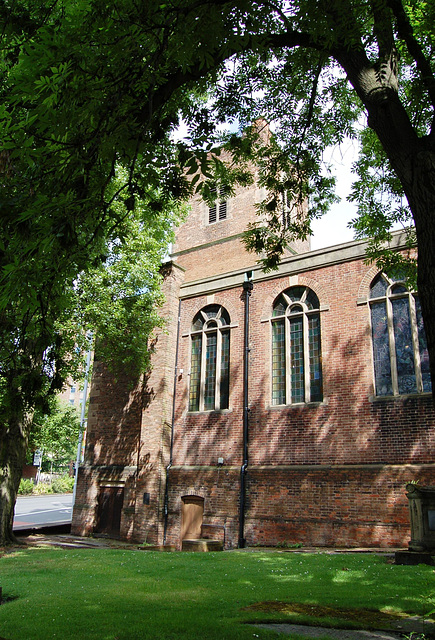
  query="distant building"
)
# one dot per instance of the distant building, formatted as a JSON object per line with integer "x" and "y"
{"x": 73, "y": 395}
{"x": 304, "y": 431}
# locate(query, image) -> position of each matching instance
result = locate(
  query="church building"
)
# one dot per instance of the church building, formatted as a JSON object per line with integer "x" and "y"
{"x": 281, "y": 408}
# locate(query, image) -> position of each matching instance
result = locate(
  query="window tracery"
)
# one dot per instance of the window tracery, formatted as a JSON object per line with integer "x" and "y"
{"x": 210, "y": 359}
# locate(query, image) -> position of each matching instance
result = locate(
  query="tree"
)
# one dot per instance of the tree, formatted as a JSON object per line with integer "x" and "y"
{"x": 92, "y": 94}
{"x": 56, "y": 433}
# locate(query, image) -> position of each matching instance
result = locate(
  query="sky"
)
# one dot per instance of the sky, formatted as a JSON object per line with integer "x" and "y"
{"x": 332, "y": 227}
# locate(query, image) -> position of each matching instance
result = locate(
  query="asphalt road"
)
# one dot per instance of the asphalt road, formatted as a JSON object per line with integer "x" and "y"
{"x": 33, "y": 512}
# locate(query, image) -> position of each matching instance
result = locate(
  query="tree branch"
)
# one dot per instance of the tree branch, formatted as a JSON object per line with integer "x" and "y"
{"x": 405, "y": 31}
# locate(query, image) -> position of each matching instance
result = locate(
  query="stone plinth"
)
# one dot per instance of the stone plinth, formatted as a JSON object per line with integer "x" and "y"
{"x": 202, "y": 545}
{"x": 422, "y": 515}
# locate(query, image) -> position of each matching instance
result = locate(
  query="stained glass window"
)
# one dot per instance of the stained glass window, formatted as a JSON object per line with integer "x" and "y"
{"x": 381, "y": 354}
{"x": 278, "y": 362}
{"x": 315, "y": 356}
{"x": 401, "y": 363}
{"x": 210, "y": 360}
{"x": 422, "y": 346}
{"x": 225, "y": 370}
{"x": 195, "y": 373}
{"x": 296, "y": 349}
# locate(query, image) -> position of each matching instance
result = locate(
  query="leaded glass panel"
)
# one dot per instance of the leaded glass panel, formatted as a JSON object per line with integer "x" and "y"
{"x": 316, "y": 383}
{"x": 212, "y": 311}
{"x": 422, "y": 344}
{"x": 296, "y": 308}
{"x": 279, "y": 307}
{"x": 381, "y": 349}
{"x": 210, "y": 371}
{"x": 304, "y": 351}
{"x": 406, "y": 378}
{"x": 278, "y": 362}
{"x": 195, "y": 373}
{"x": 312, "y": 301}
{"x": 224, "y": 317}
{"x": 379, "y": 287}
{"x": 398, "y": 288}
{"x": 297, "y": 360}
{"x": 225, "y": 370}
{"x": 198, "y": 323}
{"x": 210, "y": 359}
{"x": 295, "y": 293}
{"x": 404, "y": 347}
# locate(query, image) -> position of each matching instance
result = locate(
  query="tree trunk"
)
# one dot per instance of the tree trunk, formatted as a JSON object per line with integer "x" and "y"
{"x": 414, "y": 164}
{"x": 13, "y": 449}
{"x": 413, "y": 159}
{"x": 422, "y": 202}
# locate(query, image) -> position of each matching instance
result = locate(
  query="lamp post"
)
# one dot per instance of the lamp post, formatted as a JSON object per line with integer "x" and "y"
{"x": 82, "y": 417}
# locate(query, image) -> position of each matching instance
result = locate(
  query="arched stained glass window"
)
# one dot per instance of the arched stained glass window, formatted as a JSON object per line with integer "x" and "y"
{"x": 400, "y": 355}
{"x": 210, "y": 360}
{"x": 296, "y": 347}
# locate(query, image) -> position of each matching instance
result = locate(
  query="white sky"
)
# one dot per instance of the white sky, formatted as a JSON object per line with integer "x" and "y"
{"x": 332, "y": 228}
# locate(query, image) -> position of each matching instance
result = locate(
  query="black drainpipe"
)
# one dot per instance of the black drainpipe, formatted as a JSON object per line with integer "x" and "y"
{"x": 247, "y": 288}
{"x": 166, "y": 502}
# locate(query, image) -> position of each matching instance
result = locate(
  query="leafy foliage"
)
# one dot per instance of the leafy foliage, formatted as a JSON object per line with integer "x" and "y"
{"x": 91, "y": 95}
{"x": 56, "y": 433}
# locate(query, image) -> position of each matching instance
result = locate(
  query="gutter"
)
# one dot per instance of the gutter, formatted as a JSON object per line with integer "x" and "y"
{"x": 168, "y": 468}
{"x": 247, "y": 288}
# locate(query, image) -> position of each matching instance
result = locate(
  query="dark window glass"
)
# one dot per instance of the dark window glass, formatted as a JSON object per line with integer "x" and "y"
{"x": 195, "y": 373}
{"x": 379, "y": 287}
{"x": 278, "y": 362}
{"x": 381, "y": 350}
{"x": 315, "y": 358}
{"x": 225, "y": 371}
{"x": 406, "y": 379}
{"x": 422, "y": 345}
{"x": 210, "y": 371}
{"x": 297, "y": 360}
{"x": 394, "y": 323}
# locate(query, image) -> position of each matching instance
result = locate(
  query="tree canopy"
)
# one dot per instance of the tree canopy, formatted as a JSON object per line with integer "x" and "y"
{"x": 92, "y": 94}
{"x": 56, "y": 434}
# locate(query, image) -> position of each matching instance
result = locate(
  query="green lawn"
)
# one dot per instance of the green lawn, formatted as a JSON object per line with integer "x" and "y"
{"x": 127, "y": 595}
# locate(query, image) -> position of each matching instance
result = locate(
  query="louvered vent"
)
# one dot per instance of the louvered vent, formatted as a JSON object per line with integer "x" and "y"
{"x": 212, "y": 214}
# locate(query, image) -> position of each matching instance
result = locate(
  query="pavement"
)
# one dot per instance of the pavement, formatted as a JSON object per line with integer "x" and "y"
{"x": 334, "y": 634}
{"x": 38, "y": 512}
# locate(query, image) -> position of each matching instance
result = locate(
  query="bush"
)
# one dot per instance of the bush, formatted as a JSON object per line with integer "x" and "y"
{"x": 63, "y": 485}
{"x": 26, "y": 487}
{"x": 59, "y": 485}
{"x": 42, "y": 488}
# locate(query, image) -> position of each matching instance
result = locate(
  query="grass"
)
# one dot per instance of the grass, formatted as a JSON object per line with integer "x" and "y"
{"x": 114, "y": 594}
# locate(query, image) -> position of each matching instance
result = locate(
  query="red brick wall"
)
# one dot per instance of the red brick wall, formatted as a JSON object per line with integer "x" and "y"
{"x": 329, "y": 473}
{"x": 325, "y": 473}
{"x": 205, "y": 249}
{"x": 128, "y": 434}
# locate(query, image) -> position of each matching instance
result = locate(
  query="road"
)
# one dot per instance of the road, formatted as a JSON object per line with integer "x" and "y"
{"x": 41, "y": 511}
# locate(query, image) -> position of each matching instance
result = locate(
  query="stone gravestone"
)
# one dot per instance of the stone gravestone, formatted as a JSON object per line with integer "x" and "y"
{"x": 421, "y": 547}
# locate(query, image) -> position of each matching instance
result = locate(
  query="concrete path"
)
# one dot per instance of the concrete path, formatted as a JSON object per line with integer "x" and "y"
{"x": 412, "y": 627}
{"x": 324, "y": 632}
